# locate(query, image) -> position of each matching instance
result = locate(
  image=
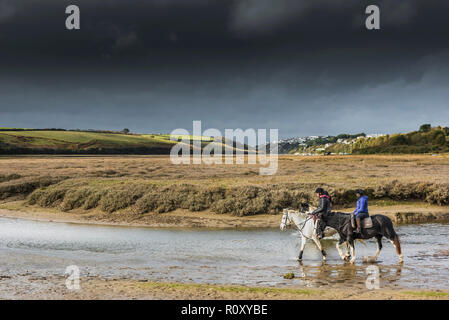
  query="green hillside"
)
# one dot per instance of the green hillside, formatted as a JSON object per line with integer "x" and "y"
{"x": 426, "y": 140}
{"x": 59, "y": 141}
{"x": 77, "y": 142}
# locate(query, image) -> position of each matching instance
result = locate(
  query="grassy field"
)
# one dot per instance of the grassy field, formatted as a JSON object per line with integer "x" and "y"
{"x": 140, "y": 185}
{"x": 25, "y": 141}
{"x": 20, "y": 142}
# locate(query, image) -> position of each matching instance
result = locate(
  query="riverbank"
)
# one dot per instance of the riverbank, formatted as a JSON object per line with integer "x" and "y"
{"x": 412, "y": 212}
{"x": 152, "y": 191}
{"x": 175, "y": 219}
{"x": 93, "y": 288}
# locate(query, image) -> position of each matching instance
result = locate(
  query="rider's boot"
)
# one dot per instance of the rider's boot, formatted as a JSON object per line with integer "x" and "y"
{"x": 359, "y": 227}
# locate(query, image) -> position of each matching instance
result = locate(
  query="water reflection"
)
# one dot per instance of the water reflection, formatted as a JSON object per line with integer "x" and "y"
{"x": 334, "y": 275}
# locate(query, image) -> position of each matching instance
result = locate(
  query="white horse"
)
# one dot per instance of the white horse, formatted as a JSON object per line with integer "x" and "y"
{"x": 306, "y": 226}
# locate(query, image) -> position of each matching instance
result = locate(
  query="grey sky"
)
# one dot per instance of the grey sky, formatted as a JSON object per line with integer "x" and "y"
{"x": 305, "y": 67}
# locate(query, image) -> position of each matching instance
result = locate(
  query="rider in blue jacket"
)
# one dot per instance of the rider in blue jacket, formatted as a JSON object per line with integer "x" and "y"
{"x": 361, "y": 212}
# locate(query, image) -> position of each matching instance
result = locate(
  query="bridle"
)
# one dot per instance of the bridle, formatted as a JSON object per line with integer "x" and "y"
{"x": 285, "y": 219}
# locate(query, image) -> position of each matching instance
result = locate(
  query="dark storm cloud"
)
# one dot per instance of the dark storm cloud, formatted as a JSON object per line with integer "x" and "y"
{"x": 7, "y": 10}
{"x": 182, "y": 30}
{"x": 156, "y": 65}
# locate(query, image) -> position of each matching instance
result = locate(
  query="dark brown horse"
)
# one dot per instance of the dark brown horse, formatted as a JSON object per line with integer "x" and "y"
{"x": 382, "y": 227}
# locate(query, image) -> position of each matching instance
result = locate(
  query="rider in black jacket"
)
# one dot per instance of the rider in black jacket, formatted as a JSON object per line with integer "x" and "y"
{"x": 324, "y": 202}
{"x": 324, "y": 206}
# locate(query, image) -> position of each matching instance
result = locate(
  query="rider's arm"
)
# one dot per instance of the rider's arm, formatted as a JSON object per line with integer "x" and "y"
{"x": 320, "y": 208}
{"x": 364, "y": 204}
{"x": 359, "y": 206}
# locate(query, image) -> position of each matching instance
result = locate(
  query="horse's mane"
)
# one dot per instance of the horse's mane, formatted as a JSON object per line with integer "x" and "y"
{"x": 297, "y": 216}
{"x": 333, "y": 213}
{"x": 342, "y": 213}
{"x": 298, "y": 213}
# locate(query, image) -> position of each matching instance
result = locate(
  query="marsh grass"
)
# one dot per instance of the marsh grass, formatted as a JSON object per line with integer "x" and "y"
{"x": 232, "y": 289}
{"x": 9, "y": 177}
{"x": 427, "y": 293}
{"x": 142, "y": 184}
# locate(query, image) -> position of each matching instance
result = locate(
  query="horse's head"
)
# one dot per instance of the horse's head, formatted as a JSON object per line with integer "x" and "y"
{"x": 286, "y": 221}
{"x": 304, "y": 208}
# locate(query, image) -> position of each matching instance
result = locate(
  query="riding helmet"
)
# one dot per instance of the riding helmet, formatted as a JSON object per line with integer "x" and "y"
{"x": 359, "y": 191}
{"x": 319, "y": 190}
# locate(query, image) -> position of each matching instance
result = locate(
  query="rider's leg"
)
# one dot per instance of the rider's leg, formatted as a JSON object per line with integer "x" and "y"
{"x": 359, "y": 217}
{"x": 359, "y": 227}
{"x": 319, "y": 229}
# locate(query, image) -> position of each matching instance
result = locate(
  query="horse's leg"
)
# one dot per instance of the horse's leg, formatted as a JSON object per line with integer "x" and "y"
{"x": 379, "y": 246}
{"x": 397, "y": 245}
{"x": 352, "y": 249}
{"x": 348, "y": 255}
{"x": 318, "y": 244}
{"x": 303, "y": 244}
{"x": 389, "y": 233}
{"x": 340, "y": 251}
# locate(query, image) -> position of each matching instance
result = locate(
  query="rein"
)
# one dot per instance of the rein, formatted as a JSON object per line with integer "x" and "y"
{"x": 303, "y": 224}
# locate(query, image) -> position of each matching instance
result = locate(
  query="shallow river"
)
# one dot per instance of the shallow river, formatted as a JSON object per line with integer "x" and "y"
{"x": 259, "y": 257}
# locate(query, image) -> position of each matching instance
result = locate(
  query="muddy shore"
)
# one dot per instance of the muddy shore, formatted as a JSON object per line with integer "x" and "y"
{"x": 93, "y": 288}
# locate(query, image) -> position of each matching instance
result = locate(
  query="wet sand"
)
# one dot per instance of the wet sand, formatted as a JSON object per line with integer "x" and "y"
{"x": 175, "y": 219}
{"x": 32, "y": 288}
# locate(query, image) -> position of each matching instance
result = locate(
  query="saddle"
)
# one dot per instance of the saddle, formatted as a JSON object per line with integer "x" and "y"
{"x": 365, "y": 223}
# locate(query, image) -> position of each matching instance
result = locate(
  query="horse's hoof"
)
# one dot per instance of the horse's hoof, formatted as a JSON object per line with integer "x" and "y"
{"x": 369, "y": 259}
{"x": 352, "y": 261}
{"x": 346, "y": 258}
